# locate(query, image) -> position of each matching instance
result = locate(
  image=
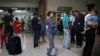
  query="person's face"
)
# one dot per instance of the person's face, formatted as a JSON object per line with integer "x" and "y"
{"x": 94, "y": 8}
{"x": 52, "y": 15}
{"x": 64, "y": 14}
{"x": 76, "y": 13}
{"x": 73, "y": 13}
{"x": 93, "y": 13}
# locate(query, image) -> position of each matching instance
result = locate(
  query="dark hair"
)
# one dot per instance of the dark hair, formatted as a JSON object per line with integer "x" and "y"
{"x": 95, "y": 11}
{"x": 76, "y": 11}
{"x": 10, "y": 10}
{"x": 90, "y": 6}
{"x": 72, "y": 12}
{"x": 48, "y": 14}
{"x": 16, "y": 18}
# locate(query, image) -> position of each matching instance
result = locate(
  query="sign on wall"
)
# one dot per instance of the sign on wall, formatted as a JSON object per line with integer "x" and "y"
{"x": 64, "y": 9}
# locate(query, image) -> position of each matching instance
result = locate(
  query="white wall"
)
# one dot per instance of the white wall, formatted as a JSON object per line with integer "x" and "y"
{"x": 18, "y": 4}
{"x": 80, "y": 5}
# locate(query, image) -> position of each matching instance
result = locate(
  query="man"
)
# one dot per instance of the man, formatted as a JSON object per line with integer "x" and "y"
{"x": 78, "y": 28}
{"x": 8, "y": 23}
{"x": 90, "y": 23}
{"x": 36, "y": 26}
{"x": 66, "y": 40}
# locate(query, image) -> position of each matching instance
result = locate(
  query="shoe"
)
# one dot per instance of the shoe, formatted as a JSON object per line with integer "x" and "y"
{"x": 39, "y": 41}
{"x": 69, "y": 48}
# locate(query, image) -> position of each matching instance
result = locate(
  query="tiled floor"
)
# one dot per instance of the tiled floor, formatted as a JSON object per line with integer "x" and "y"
{"x": 28, "y": 50}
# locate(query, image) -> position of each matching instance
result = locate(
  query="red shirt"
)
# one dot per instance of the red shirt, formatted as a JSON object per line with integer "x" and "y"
{"x": 17, "y": 26}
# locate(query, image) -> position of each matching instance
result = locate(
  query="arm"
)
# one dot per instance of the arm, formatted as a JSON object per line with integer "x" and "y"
{"x": 51, "y": 24}
{"x": 11, "y": 20}
{"x": 90, "y": 23}
{"x": 93, "y": 21}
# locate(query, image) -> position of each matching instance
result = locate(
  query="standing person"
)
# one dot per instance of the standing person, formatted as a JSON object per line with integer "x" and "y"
{"x": 72, "y": 19}
{"x": 36, "y": 26}
{"x": 2, "y": 35}
{"x": 78, "y": 27}
{"x": 17, "y": 26}
{"x": 22, "y": 24}
{"x": 90, "y": 23}
{"x": 66, "y": 30}
{"x": 43, "y": 24}
{"x": 8, "y": 24}
{"x": 50, "y": 30}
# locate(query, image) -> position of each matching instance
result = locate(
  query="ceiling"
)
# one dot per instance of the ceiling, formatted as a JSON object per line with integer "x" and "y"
{"x": 19, "y": 1}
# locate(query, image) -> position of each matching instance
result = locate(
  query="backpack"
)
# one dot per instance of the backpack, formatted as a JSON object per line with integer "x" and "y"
{"x": 60, "y": 27}
{"x": 79, "y": 24}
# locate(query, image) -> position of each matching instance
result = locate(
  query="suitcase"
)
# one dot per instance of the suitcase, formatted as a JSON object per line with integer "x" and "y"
{"x": 14, "y": 45}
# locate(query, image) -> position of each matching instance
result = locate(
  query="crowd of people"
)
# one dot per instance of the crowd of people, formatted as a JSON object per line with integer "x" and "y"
{"x": 75, "y": 27}
{"x": 81, "y": 26}
{"x": 9, "y": 27}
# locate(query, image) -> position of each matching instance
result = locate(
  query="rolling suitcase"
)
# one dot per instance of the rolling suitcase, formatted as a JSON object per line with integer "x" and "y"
{"x": 14, "y": 45}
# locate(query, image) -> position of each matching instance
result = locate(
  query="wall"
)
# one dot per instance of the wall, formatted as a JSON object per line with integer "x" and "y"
{"x": 18, "y": 4}
{"x": 80, "y": 5}
{"x": 41, "y": 7}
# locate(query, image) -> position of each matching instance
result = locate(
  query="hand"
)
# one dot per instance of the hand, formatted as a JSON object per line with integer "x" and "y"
{"x": 92, "y": 23}
{"x": 11, "y": 24}
{"x": 18, "y": 25}
{"x": 69, "y": 30}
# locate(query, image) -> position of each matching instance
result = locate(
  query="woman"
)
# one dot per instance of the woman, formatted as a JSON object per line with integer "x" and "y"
{"x": 50, "y": 30}
{"x": 91, "y": 23}
{"x": 17, "y": 26}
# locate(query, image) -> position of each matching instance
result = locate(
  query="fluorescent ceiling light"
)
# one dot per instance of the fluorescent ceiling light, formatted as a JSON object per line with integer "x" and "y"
{"x": 24, "y": 11}
{"x": 1, "y": 10}
{"x": 14, "y": 8}
{"x": 18, "y": 11}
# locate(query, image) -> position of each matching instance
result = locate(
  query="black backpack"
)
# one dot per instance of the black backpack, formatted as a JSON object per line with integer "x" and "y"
{"x": 79, "y": 24}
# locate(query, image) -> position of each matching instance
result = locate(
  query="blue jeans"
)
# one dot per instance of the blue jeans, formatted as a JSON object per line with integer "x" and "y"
{"x": 66, "y": 39}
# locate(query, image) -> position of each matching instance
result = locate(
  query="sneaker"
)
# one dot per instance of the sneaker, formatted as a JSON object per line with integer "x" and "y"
{"x": 69, "y": 48}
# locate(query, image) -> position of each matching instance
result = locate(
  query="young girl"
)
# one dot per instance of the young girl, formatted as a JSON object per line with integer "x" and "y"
{"x": 17, "y": 26}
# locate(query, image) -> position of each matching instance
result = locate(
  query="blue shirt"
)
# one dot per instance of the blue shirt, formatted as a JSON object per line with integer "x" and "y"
{"x": 51, "y": 26}
{"x": 65, "y": 22}
{"x": 93, "y": 19}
